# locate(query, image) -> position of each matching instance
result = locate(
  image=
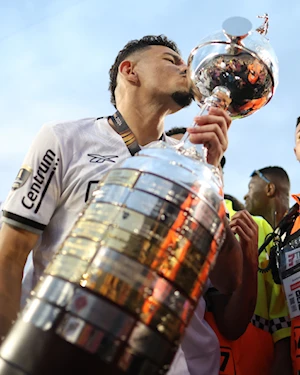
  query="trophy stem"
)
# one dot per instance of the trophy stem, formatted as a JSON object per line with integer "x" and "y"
{"x": 187, "y": 134}
{"x": 219, "y": 98}
{"x": 199, "y": 150}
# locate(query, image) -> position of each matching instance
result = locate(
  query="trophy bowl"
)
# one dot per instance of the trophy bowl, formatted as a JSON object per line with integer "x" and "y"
{"x": 240, "y": 59}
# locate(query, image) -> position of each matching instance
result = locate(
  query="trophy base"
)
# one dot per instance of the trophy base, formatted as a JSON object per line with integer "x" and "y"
{"x": 46, "y": 353}
{"x": 8, "y": 369}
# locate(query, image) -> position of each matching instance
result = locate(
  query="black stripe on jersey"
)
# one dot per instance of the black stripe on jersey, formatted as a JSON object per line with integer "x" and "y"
{"x": 44, "y": 192}
{"x": 89, "y": 189}
{"x": 23, "y": 220}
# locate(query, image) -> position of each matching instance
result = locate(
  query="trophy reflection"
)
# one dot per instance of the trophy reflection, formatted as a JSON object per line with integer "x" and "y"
{"x": 240, "y": 60}
{"x": 120, "y": 292}
{"x": 235, "y": 69}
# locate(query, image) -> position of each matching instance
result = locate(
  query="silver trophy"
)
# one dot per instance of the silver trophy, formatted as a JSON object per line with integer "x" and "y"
{"x": 240, "y": 60}
{"x": 235, "y": 69}
{"x": 118, "y": 295}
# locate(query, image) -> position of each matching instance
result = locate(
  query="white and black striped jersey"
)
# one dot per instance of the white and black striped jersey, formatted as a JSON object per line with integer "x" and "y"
{"x": 63, "y": 166}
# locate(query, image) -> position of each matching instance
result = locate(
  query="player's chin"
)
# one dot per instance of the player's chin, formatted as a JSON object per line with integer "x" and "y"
{"x": 182, "y": 98}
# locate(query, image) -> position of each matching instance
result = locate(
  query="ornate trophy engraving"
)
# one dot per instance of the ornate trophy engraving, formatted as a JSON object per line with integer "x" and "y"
{"x": 121, "y": 290}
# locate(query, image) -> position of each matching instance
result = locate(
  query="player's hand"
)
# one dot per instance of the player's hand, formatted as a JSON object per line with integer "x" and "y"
{"x": 211, "y": 131}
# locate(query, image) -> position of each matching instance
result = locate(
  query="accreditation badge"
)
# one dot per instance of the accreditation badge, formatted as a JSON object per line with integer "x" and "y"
{"x": 290, "y": 275}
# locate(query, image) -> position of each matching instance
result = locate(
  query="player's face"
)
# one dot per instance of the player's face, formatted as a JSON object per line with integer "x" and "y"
{"x": 256, "y": 196}
{"x": 163, "y": 74}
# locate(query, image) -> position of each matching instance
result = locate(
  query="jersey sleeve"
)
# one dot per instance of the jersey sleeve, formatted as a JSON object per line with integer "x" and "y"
{"x": 37, "y": 187}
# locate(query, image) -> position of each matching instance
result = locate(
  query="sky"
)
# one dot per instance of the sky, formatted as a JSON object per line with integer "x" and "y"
{"x": 55, "y": 58}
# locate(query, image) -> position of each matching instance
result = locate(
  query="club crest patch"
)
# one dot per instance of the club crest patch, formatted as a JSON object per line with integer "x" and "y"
{"x": 22, "y": 177}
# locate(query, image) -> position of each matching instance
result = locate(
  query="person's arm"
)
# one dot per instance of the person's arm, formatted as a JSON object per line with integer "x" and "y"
{"x": 15, "y": 245}
{"x": 233, "y": 313}
{"x": 282, "y": 364}
{"x": 226, "y": 275}
{"x": 27, "y": 210}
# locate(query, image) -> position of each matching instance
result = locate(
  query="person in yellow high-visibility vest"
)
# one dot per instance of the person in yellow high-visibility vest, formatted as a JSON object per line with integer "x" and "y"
{"x": 263, "y": 348}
